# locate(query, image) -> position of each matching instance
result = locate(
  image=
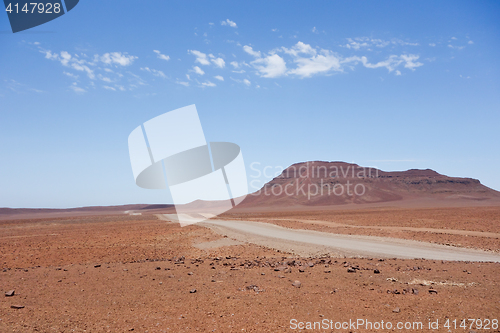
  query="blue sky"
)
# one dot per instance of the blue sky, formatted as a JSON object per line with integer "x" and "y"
{"x": 394, "y": 85}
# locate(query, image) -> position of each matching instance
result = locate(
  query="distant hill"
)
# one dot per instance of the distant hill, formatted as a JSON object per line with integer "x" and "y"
{"x": 338, "y": 183}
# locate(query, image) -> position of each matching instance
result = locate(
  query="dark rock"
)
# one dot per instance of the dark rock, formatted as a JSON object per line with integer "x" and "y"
{"x": 252, "y": 287}
{"x": 376, "y": 271}
{"x": 17, "y": 306}
{"x": 414, "y": 291}
{"x": 192, "y": 291}
{"x": 301, "y": 270}
{"x": 190, "y": 273}
{"x": 351, "y": 270}
{"x": 433, "y": 291}
{"x": 158, "y": 268}
{"x": 97, "y": 266}
{"x": 10, "y": 293}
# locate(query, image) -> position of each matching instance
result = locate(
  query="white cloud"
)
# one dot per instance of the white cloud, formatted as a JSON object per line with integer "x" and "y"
{"x": 198, "y": 70}
{"x": 218, "y": 77}
{"x": 105, "y": 79}
{"x": 210, "y": 23}
{"x": 219, "y": 62}
{"x": 185, "y": 84}
{"x": 161, "y": 56}
{"x": 71, "y": 75}
{"x": 454, "y": 38}
{"x": 456, "y": 47}
{"x": 109, "y": 88}
{"x": 432, "y": 44}
{"x": 249, "y": 50}
{"x": 208, "y": 84}
{"x": 274, "y": 30}
{"x": 229, "y": 23}
{"x": 397, "y": 72}
{"x": 391, "y": 63}
{"x": 410, "y": 61}
{"x": 200, "y": 57}
{"x": 240, "y": 71}
{"x": 154, "y": 72}
{"x": 117, "y": 58}
{"x": 366, "y": 42}
{"x": 320, "y": 63}
{"x": 77, "y": 89}
{"x": 314, "y": 30}
{"x": 270, "y": 66}
{"x": 470, "y": 42}
{"x": 245, "y": 81}
{"x": 300, "y": 48}
{"x": 234, "y": 64}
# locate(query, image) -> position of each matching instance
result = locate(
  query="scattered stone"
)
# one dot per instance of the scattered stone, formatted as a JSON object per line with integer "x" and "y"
{"x": 311, "y": 264}
{"x": 297, "y": 284}
{"x": 351, "y": 270}
{"x": 125, "y": 270}
{"x": 192, "y": 291}
{"x": 252, "y": 287}
{"x": 414, "y": 291}
{"x": 10, "y": 293}
{"x": 97, "y": 266}
{"x": 17, "y": 306}
{"x": 158, "y": 268}
{"x": 301, "y": 270}
{"x": 212, "y": 280}
{"x": 262, "y": 273}
{"x": 433, "y": 291}
{"x": 171, "y": 276}
{"x": 396, "y": 310}
{"x": 376, "y": 271}
{"x": 190, "y": 273}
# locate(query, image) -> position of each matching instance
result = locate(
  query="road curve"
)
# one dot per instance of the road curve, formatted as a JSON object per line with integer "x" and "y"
{"x": 296, "y": 240}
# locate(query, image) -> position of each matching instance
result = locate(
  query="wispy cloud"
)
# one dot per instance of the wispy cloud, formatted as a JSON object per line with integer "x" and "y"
{"x": 230, "y": 23}
{"x": 77, "y": 89}
{"x": 117, "y": 58}
{"x": 208, "y": 84}
{"x": 201, "y": 57}
{"x": 154, "y": 72}
{"x": 358, "y": 43}
{"x": 249, "y": 50}
{"x": 270, "y": 66}
{"x": 218, "y": 77}
{"x": 198, "y": 70}
{"x": 161, "y": 56}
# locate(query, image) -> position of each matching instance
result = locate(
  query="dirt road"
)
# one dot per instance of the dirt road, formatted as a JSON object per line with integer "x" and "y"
{"x": 307, "y": 242}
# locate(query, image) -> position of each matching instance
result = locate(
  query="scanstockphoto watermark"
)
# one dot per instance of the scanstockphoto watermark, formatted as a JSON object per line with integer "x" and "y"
{"x": 358, "y": 324}
{"x": 339, "y": 180}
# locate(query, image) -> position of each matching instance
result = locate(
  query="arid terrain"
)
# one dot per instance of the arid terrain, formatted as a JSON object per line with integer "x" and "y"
{"x": 118, "y": 273}
{"x": 275, "y": 263}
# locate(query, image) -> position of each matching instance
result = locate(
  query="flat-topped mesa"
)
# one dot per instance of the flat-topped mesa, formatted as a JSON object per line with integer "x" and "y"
{"x": 333, "y": 183}
{"x": 322, "y": 169}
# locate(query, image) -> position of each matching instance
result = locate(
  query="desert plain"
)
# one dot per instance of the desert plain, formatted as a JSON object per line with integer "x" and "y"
{"x": 120, "y": 272}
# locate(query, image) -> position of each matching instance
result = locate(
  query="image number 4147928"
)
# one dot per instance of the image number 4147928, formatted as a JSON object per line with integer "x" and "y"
{"x": 24, "y": 15}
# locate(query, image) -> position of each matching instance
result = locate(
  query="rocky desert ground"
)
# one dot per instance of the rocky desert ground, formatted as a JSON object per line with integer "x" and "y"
{"x": 119, "y": 273}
